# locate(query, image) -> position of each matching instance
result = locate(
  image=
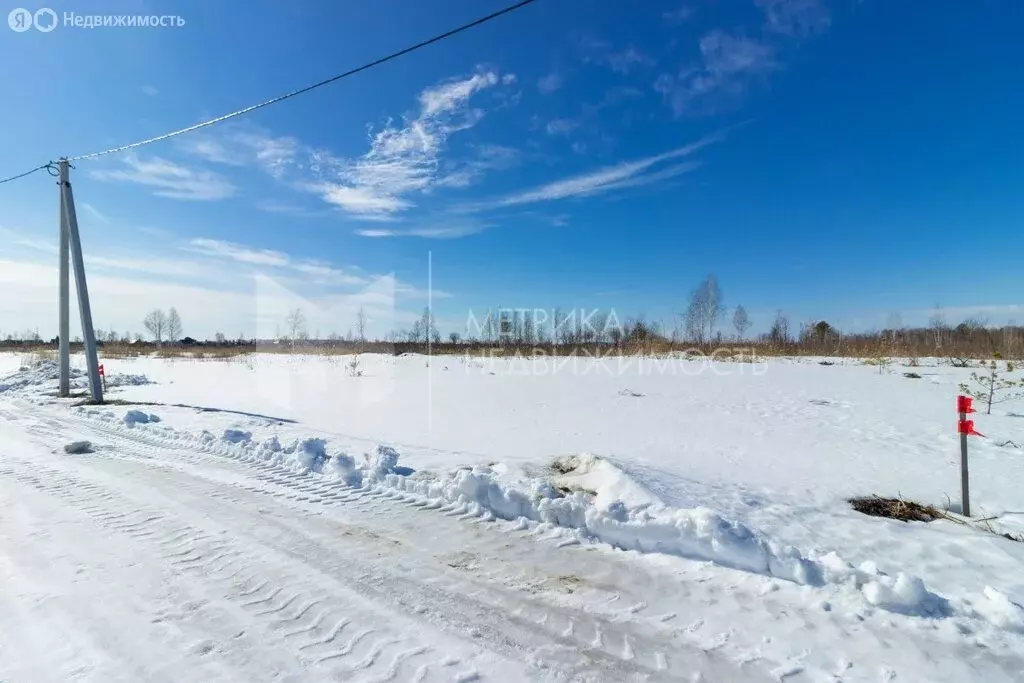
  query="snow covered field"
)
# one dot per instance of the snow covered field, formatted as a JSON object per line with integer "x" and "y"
{"x": 469, "y": 519}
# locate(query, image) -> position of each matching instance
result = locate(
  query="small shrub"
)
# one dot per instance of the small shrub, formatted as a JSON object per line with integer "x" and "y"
{"x": 993, "y": 387}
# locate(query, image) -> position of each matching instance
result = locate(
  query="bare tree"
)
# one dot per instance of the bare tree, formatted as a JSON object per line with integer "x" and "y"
{"x": 937, "y": 323}
{"x": 361, "y": 324}
{"x": 704, "y": 310}
{"x": 741, "y": 321}
{"x": 779, "y": 334}
{"x": 296, "y": 322}
{"x": 426, "y": 327}
{"x": 156, "y": 323}
{"x": 220, "y": 338}
{"x": 173, "y": 325}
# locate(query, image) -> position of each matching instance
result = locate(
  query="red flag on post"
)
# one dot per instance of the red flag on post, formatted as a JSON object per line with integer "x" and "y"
{"x": 101, "y": 370}
{"x": 967, "y": 427}
{"x": 964, "y": 404}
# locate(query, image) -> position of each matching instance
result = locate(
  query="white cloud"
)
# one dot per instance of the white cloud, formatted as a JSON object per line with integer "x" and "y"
{"x": 796, "y": 18}
{"x": 151, "y": 266}
{"x": 275, "y": 206}
{"x": 325, "y": 274}
{"x": 728, "y": 65}
{"x": 486, "y": 158}
{"x": 550, "y": 83}
{"x": 238, "y": 252}
{"x": 361, "y": 201}
{"x": 37, "y": 244}
{"x": 94, "y": 212}
{"x": 376, "y": 232}
{"x": 620, "y": 176}
{"x": 169, "y": 179}
{"x": 318, "y": 272}
{"x": 246, "y": 145}
{"x": 623, "y": 62}
{"x": 403, "y": 160}
{"x": 561, "y": 126}
{"x": 678, "y": 16}
{"x": 447, "y": 230}
{"x": 449, "y": 96}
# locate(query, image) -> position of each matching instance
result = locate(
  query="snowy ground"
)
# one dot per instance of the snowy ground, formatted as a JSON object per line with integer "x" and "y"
{"x": 281, "y": 519}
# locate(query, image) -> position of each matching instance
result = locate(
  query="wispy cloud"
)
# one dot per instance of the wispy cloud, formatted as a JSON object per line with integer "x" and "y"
{"x": 237, "y": 252}
{"x": 246, "y": 145}
{"x": 318, "y": 271}
{"x": 447, "y": 230}
{"x": 728, "y": 64}
{"x": 151, "y": 266}
{"x": 37, "y": 244}
{"x": 551, "y": 82}
{"x": 796, "y": 18}
{"x": 169, "y": 179}
{"x": 94, "y": 212}
{"x": 149, "y": 90}
{"x": 485, "y": 158}
{"x": 275, "y": 206}
{"x": 403, "y": 160}
{"x": 620, "y": 176}
{"x": 678, "y": 16}
{"x": 624, "y": 62}
{"x": 561, "y": 126}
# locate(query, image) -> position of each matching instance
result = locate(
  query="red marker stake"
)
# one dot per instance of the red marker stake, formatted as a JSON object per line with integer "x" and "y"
{"x": 964, "y": 405}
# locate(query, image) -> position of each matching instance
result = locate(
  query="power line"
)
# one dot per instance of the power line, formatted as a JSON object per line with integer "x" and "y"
{"x": 22, "y": 175}
{"x": 300, "y": 91}
{"x": 289, "y": 95}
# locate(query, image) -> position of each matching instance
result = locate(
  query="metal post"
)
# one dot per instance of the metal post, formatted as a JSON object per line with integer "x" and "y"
{"x": 64, "y": 287}
{"x": 88, "y": 335}
{"x": 965, "y": 494}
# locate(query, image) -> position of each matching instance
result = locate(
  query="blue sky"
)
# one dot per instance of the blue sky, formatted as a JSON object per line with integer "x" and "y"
{"x": 837, "y": 159}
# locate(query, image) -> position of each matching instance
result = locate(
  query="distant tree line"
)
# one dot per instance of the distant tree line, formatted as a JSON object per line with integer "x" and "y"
{"x": 701, "y": 324}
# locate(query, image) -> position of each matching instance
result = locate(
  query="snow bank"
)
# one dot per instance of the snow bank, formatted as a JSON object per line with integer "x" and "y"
{"x": 311, "y": 454}
{"x": 642, "y": 524}
{"x": 41, "y": 375}
{"x": 236, "y": 436}
{"x": 589, "y": 473}
{"x": 1000, "y": 610}
{"x": 134, "y": 417}
{"x": 45, "y": 375}
{"x": 699, "y": 534}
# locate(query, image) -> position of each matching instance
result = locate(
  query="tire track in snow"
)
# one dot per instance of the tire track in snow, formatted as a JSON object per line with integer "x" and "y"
{"x": 194, "y": 554}
{"x": 355, "y": 656}
{"x": 618, "y": 640}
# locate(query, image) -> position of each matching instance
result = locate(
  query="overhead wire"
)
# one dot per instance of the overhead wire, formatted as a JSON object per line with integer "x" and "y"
{"x": 26, "y": 173}
{"x": 308, "y": 88}
{"x": 294, "y": 93}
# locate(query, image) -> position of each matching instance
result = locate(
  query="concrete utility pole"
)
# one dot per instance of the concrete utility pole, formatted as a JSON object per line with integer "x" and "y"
{"x": 69, "y": 227}
{"x": 63, "y": 332}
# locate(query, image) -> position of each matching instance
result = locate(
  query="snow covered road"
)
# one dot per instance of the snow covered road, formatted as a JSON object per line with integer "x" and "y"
{"x": 144, "y": 562}
{"x": 167, "y": 553}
